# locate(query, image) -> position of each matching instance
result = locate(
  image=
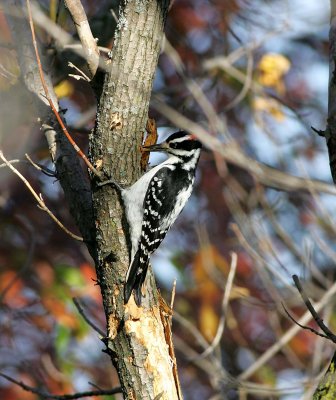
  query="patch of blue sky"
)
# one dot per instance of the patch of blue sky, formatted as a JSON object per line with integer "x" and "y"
{"x": 73, "y": 111}
{"x": 88, "y": 349}
{"x": 291, "y": 382}
{"x": 316, "y": 78}
{"x": 269, "y": 149}
{"x": 165, "y": 270}
{"x": 199, "y": 39}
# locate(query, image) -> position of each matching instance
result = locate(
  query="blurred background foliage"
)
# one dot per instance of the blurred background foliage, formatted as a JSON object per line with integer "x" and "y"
{"x": 263, "y": 66}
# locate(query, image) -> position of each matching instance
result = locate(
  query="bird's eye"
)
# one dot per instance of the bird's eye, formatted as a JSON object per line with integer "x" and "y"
{"x": 173, "y": 145}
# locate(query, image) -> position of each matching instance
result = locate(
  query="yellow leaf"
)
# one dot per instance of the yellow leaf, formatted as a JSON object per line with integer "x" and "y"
{"x": 269, "y": 106}
{"x": 64, "y": 89}
{"x": 272, "y": 68}
{"x": 208, "y": 321}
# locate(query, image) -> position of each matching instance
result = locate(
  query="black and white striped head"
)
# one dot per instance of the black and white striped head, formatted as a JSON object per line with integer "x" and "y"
{"x": 180, "y": 144}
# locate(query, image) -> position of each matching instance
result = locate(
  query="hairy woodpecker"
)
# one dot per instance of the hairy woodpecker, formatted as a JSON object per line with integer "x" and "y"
{"x": 153, "y": 203}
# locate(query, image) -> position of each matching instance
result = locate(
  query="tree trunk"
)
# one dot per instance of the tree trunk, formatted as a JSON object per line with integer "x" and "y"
{"x": 326, "y": 388}
{"x": 135, "y": 336}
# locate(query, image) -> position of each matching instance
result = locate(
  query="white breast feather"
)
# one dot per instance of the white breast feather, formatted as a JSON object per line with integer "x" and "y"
{"x": 133, "y": 200}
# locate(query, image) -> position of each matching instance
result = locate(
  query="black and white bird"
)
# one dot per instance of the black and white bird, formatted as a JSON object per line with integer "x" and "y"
{"x": 153, "y": 203}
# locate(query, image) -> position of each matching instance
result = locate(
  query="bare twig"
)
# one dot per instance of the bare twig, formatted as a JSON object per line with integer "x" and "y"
{"x": 196, "y": 91}
{"x": 81, "y": 75}
{"x": 39, "y": 199}
{"x": 87, "y": 320}
{"x": 325, "y": 300}
{"x": 47, "y": 395}
{"x": 78, "y": 46}
{"x": 256, "y": 255}
{"x": 40, "y": 167}
{"x": 212, "y": 367}
{"x": 89, "y": 43}
{"x": 225, "y": 304}
{"x": 16, "y": 161}
{"x": 328, "y": 334}
{"x": 231, "y": 152}
{"x": 166, "y": 318}
{"x": 63, "y": 39}
{"x": 173, "y": 295}
{"x": 308, "y": 328}
{"x": 246, "y": 84}
{"x": 52, "y": 106}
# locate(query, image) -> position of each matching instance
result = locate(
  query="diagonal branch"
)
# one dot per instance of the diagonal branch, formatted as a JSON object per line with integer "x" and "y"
{"x": 38, "y": 198}
{"x": 74, "y": 396}
{"x": 85, "y": 317}
{"x": 328, "y": 334}
{"x": 308, "y": 328}
{"x": 328, "y": 296}
{"x": 225, "y": 303}
{"x": 51, "y": 103}
{"x": 70, "y": 173}
{"x": 89, "y": 43}
{"x": 265, "y": 174}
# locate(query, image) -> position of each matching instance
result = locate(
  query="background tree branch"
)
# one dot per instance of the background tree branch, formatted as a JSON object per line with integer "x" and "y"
{"x": 69, "y": 170}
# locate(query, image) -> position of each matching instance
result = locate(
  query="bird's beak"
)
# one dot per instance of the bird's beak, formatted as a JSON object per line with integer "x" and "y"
{"x": 156, "y": 147}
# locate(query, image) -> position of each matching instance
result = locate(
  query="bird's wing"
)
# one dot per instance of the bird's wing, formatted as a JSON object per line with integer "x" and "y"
{"x": 159, "y": 202}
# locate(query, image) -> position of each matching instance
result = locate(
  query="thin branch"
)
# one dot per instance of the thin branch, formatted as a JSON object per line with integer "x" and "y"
{"x": 267, "y": 355}
{"x": 166, "y": 313}
{"x": 63, "y": 40}
{"x": 46, "y": 395}
{"x": 213, "y": 368}
{"x": 172, "y": 299}
{"x": 52, "y": 106}
{"x": 39, "y": 198}
{"x": 308, "y": 328}
{"x": 250, "y": 248}
{"x": 40, "y": 167}
{"x": 246, "y": 85}
{"x": 313, "y": 312}
{"x": 217, "y": 124}
{"x": 87, "y": 320}
{"x": 225, "y": 303}
{"x": 16, "y": 161}
{"x": 79, "y": 46}
{"x": 81, "y": 75}
{"x": 232, "y": 153}
{"x": 89, "y": 43}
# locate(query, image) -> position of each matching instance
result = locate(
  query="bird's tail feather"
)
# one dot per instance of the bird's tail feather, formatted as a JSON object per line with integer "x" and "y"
{"x": 135, "y": 280}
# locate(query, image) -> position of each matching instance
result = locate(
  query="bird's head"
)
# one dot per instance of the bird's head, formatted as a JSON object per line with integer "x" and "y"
{"x": 179, "y": 144}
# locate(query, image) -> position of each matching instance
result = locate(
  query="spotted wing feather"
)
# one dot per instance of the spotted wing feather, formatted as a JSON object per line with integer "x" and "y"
{"x": 160, "y": 211}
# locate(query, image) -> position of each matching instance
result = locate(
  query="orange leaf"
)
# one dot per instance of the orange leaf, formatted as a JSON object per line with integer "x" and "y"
{"x": 208, "y": 321}
{"x": 60, "y": 312}
{"x": 14, "y": 293}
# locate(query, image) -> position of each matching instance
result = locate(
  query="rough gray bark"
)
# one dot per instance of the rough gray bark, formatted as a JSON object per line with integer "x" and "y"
{"x": 326, "y": 388}
{"x": 135, "y": 336}
{"x": 330, "y": 132}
